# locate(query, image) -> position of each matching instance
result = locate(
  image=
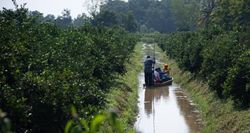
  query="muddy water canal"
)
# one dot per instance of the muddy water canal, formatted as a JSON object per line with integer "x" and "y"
{"x": 165, "y": 109}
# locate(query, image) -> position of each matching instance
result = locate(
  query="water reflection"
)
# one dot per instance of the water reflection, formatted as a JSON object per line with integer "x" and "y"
{"x": 164, "y": 109}
{"x": 154, "y": 94}
{"x": 188, "y": 110}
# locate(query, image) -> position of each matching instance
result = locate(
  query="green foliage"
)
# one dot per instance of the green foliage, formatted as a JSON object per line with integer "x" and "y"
{"x": 110, "y": 18}
{"x": 217, "y": 115}
{"x": 123, "y": 98}
{"x": 181, "y": 47}
{"x": 64, "y": 20}
{"x": 185, "y": 13}
{"x": 219, "y": 53}
{"x": 81, "y": 20}
{"x": 232, "y": 15}
{"x": 153, "y": 14}
{"x": 237, "y": 83}
{"x": 129, "y": 22}
{"x": 222, "y": 60}
{"x": 106, "y": 122}
{"x": 105, "y": 18}
{"x": 45, "y": 68}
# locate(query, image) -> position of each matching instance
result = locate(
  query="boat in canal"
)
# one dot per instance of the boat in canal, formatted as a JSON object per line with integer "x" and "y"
{"x": 165, "y": 83}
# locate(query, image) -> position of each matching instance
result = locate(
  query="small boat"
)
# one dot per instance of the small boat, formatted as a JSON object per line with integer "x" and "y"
{"x": 166, "y": 83}
{"x": 169, "y": 82}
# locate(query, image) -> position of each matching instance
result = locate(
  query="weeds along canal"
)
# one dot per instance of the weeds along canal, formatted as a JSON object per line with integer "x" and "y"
{"x": 165, "y": 109}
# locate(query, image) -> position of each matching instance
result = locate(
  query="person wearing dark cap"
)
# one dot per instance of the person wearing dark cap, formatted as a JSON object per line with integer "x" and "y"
{"x": 148, "y": 71}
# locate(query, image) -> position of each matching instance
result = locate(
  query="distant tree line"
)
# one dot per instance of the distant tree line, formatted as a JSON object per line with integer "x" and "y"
{"x": 137, "y": 15}
{"x": 142, "y": 15}
{"x": 64, "y": 20}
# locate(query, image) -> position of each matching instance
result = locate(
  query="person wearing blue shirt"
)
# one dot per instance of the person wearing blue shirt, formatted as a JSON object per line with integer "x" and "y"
{"x": 163, "y": 75}
{"x": 148, "y": 71}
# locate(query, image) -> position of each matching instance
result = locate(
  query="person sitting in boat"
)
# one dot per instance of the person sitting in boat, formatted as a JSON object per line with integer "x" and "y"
{"x": 163, "y": 76}
{"x": 157, "y": 78}
{"x": 148, "y": 71}
{"x": 166, "y": 69}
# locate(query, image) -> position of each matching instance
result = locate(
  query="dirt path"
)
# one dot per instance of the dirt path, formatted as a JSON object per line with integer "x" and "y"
{"x": 165, "y": 109}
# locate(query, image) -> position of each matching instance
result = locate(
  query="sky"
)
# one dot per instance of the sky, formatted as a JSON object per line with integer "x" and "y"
{"x": 54, "y": 7}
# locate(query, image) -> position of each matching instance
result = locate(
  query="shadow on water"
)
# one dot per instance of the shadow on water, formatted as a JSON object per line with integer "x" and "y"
{"x": 165, "y": 110}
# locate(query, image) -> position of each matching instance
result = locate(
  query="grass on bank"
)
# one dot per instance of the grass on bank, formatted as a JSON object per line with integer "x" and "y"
{"x": 123, "y": 99}
{"x": 121, "y": 108}
{"x": 218, "y": 116}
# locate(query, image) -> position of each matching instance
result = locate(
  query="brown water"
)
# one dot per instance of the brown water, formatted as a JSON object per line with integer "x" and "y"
{"x": 165, "y": 110}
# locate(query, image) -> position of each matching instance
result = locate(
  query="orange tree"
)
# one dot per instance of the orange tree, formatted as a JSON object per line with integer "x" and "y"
{"x": 219, "y": 52}
{"x": 44, "y": 69}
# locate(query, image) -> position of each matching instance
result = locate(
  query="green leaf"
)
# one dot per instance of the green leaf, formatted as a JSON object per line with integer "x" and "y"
{"x": 96, "y": 122}
{"x": 68, "y": 126}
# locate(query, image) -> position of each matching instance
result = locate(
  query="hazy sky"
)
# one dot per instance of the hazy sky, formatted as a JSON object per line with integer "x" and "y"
{"x": 54, "y": 7}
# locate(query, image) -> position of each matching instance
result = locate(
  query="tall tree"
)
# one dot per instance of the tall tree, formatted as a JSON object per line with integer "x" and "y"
{"x": 49, "y": 18}
{"x": 185, "y": 13}
{"x": 81, "y": 20}
{"x": 64, "y": 20}
{"x": 105, "y": 18}
{"x": 129, "y": 22}
{"x": 232, "y": 15}
{"x": 206, "y": 8}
